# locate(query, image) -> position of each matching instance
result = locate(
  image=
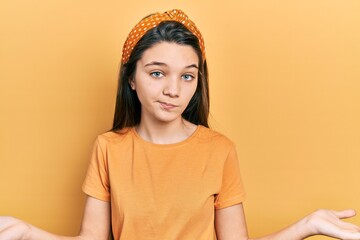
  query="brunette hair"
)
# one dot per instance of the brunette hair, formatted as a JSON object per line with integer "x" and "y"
{"x": 128, "y": 107}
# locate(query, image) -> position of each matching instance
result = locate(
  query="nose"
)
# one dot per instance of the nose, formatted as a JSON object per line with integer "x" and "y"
{"x": 172, "y": 87}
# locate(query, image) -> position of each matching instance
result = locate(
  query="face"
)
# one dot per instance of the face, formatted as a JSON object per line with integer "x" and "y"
{"x": 165, "y": 80}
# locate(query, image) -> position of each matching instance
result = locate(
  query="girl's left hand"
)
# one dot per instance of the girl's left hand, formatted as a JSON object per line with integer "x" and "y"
{"x": 329, "y": 223}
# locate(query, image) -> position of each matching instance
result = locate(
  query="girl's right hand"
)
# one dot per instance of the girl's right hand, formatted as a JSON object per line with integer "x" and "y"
{"x": 95, "y": 225}
{"x": 13, "y": 229}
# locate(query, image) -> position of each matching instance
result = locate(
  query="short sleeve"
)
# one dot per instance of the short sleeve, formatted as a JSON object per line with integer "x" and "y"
{"x": 232, "y": 190}
{"x": 97, "y": 182}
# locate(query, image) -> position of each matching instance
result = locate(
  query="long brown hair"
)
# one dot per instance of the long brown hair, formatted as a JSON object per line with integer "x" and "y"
{"x": 128, "y": 107}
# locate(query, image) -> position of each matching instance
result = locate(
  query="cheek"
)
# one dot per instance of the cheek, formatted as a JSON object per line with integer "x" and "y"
{"x": 192, "y": 91}
{"x": 146, "y": 91}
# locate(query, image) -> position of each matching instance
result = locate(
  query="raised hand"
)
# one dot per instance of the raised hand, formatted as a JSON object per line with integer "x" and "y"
{"x": 329, "y": 223}
{"x": 13, "y": 229}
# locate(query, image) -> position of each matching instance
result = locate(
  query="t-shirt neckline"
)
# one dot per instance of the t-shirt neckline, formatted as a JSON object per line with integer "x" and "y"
{"x": 166, "y": 145}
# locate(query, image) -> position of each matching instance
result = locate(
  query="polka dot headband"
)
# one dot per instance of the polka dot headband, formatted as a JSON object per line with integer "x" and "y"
{"x": 153, "y": 21}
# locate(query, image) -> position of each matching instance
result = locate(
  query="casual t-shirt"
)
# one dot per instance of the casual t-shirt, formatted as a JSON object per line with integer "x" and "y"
{"x": 164, "y": 191}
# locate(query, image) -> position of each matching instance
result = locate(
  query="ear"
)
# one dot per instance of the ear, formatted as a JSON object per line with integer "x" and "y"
{"x": 132, "y": 83}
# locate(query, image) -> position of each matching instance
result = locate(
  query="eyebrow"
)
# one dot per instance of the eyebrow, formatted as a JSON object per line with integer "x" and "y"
{"x": 164, "y": 64}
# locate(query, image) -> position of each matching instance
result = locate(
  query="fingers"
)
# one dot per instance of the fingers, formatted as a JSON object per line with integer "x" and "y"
{"x": 350, "y": 235}
{"x": 342, "y": 230}
{"x": 348, "y": 213}
{"x": 347, "y": 230}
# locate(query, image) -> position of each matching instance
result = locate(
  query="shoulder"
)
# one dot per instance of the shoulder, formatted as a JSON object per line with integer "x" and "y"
{"x": 210, "y": 136}
{"x": 114, "y": 137}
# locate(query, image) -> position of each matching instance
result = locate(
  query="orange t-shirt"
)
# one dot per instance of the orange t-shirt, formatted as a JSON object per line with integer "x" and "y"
{"x": 164, "y": 191}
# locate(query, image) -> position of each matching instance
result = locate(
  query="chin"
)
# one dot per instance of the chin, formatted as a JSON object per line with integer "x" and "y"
{"x": 169, "y": 118}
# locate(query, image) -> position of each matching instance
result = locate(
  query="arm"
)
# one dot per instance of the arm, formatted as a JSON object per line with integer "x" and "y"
{"x": 95, "y": 225}
{"x": 230, "y": 225}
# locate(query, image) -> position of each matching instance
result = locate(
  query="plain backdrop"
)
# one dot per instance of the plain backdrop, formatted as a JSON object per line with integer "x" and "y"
{"x": 285, "y": 87}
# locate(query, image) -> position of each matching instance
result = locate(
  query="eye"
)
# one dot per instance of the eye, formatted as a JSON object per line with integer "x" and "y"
{"x": 156, "y": 74}
{"x": 187, "y": 77}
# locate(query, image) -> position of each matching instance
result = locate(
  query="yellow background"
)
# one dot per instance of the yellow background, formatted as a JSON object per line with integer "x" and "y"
{"x": 285, "y": 86}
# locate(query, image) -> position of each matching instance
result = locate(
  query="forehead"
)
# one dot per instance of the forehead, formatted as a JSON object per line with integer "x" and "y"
{"x": 171, "y": 54}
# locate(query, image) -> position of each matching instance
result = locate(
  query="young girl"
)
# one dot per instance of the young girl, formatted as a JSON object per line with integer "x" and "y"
{"x": 161, "y": 173}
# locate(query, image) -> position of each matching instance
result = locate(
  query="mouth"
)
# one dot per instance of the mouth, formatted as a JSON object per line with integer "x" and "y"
{"x": 167, "y": 106}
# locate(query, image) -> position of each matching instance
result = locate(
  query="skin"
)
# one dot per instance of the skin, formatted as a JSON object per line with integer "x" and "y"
{"x": 165, "y": 81}
{"x": 165, "y": 85}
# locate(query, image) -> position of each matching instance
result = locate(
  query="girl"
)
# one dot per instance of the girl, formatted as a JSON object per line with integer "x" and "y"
{"x": 161, "y": 173}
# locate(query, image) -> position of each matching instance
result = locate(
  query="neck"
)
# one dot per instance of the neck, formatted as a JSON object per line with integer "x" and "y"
{"x": 166, "y": 133}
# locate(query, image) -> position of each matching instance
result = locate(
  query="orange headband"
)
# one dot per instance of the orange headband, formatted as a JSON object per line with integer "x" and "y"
{"x": 153, "y": 21}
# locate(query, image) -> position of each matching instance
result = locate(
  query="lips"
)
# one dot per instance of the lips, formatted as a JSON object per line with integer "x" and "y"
{"x": 167, "y": 106}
